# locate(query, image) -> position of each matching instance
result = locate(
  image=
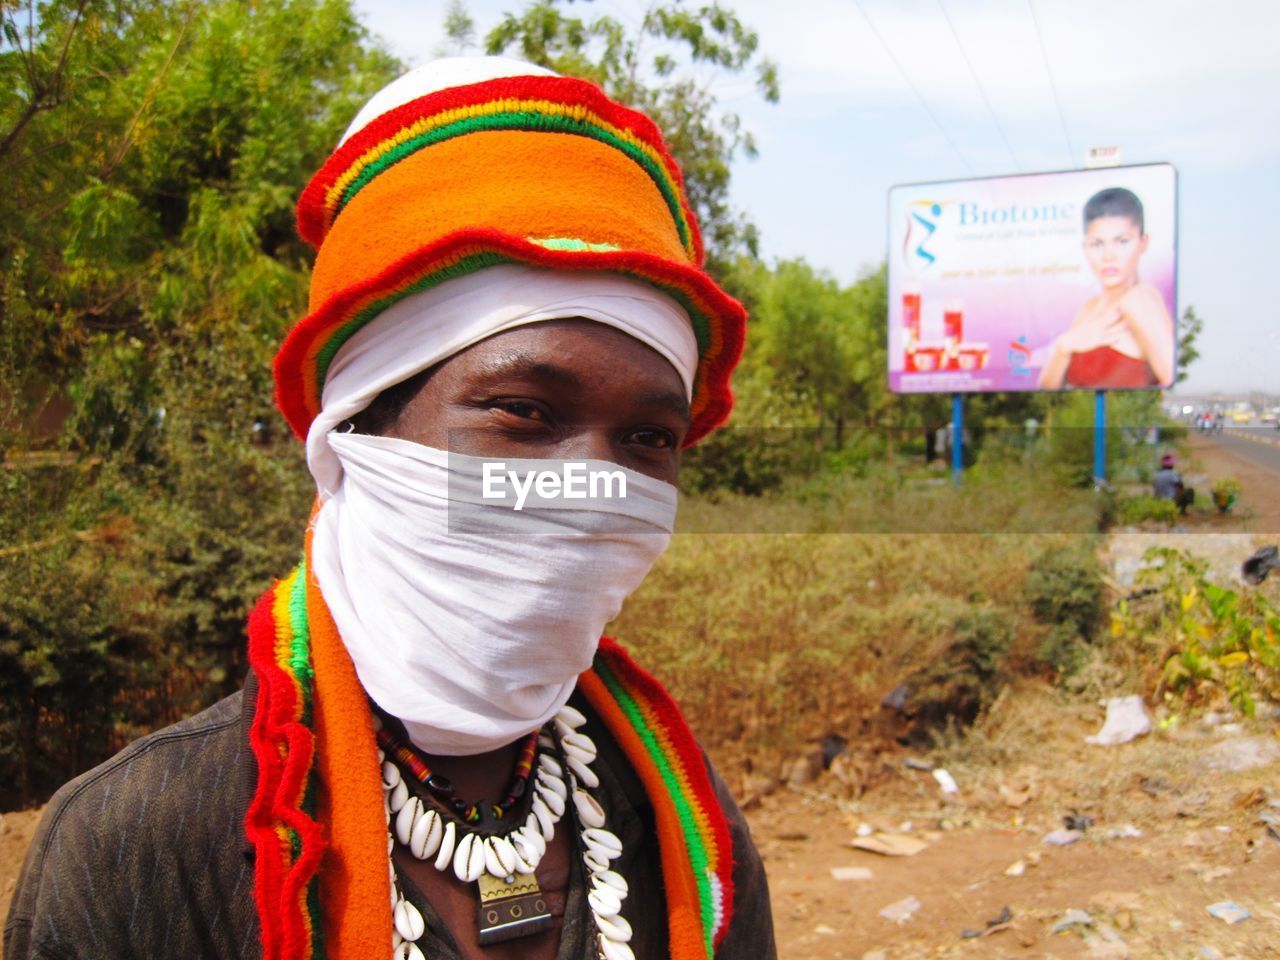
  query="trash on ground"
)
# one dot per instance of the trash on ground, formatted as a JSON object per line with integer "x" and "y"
{"x": 1113, "y": 900}
{"x": 1228, "y": 912}
{"x": 850, "y": 873}
{"x": 1016, "y": 869}
{"x": 911, "y": 763}
{"x": 1239, "y": 754}
{"x": 1077, "y": 821}
{"x": 900, "y": 911}
{"x": 890, "y": 845}
{"x": 865, "y": 830}
{"x": 1072, "y": 918}
{"x": 1126, "y": 832}
{"x": 946, "y": 781}
{"x": 1062, "y": 837}
{"x": 997, "y": 924}
{"x": 1105, "y": 949}
{"x": 1126, "y": 720}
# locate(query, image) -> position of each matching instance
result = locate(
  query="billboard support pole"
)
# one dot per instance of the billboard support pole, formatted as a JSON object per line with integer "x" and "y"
{"x": 1100, "y": 437}
{"x": 957, "y": 436}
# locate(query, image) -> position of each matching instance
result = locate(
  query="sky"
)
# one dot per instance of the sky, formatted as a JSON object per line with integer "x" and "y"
{"x": 884, "y": 92}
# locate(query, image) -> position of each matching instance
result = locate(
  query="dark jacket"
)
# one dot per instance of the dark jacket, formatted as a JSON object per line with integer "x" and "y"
{"x": 146, "y": 856}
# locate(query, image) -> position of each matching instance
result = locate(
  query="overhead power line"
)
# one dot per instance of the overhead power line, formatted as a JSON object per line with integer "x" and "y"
{"x": 1053, "y": 87}
{"x": 924, "y": 103}
{"x": 978, "y": 83}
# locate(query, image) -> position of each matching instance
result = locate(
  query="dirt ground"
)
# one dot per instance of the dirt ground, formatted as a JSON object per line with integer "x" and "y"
{"x": 1173, "y": 833}
{"x": 1182, "y": 820}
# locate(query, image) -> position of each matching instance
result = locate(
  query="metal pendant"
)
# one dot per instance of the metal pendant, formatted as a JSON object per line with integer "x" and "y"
{"x": 511, "y": 908}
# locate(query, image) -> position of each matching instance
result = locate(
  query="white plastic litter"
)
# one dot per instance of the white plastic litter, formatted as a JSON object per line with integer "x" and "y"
{"x": 1126, "y": 720}
{"x": 900, "y": 911}
{"x": 946, "y": 781}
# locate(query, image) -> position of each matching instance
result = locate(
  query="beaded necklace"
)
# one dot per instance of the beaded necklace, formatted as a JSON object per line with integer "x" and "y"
{"x": 442, "y": 788}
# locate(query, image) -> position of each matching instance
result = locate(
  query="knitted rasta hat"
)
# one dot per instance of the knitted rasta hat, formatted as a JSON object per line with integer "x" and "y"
{"x": 535, "y": 169}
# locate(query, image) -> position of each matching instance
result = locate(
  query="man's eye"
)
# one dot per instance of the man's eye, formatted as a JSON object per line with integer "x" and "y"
{"x": 523, "y": 409}
{"x": 653, "y": 437}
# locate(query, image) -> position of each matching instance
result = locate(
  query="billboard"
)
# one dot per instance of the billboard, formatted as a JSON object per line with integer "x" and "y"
{"x": 1045, "y": 281}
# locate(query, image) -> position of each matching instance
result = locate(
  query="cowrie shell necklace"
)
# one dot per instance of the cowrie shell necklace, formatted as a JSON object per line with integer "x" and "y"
{"x": 430, "y": 837}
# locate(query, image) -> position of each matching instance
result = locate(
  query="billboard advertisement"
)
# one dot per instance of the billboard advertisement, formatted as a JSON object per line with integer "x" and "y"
{"x": 1049, "y": 281}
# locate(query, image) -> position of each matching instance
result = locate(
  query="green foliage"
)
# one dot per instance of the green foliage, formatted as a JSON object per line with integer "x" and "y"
{"x": 1144, "y": 508}
{"x": 665, "y": 66}
{"x": 1225, "y": 492}
{"x": 1207, "y": 641}
{"x": 1189, "y": 329}
{"x": 964, "y": 679}
{"x": 1064, "y": 589}
{"x": 153, "y": 156}
{"x": 769, "y": 441}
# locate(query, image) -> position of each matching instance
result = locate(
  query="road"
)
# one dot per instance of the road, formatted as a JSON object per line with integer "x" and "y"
{"x": 1252, "y": 456}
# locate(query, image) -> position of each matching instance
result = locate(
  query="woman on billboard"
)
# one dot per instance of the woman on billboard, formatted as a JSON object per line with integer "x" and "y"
{"x": 1123, "y": 337}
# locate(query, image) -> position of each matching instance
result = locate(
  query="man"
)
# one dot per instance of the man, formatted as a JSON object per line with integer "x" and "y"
{"x": 1166, "y": 484}
{"x": 435, "y": 754}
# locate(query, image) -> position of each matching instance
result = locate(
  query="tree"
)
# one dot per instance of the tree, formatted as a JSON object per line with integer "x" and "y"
{"x": 154, "y": 155}
{"x": 666, "y": 67}
{"x": 1190, "y": 329}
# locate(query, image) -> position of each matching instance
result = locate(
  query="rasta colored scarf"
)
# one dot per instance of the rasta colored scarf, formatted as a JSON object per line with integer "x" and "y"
{"x": 316, "y": 819}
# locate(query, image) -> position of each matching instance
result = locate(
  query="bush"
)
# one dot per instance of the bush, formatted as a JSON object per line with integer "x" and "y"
{"x": 1144, "y": 507}
{"x": 1064, "y": 589}
{"x": 1206, "y": 642}
{"x": 968, "y": 674}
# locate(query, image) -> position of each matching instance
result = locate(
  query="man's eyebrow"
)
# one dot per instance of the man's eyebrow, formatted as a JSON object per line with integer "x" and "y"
{"x": 519, "y": 364}
{"x": 666, "y": 400}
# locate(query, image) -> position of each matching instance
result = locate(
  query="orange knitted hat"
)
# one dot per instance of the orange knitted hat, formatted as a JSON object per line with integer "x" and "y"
{"x": 540, "y": 170}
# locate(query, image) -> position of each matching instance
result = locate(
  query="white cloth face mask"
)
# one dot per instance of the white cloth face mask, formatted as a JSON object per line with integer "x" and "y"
{"x": 467, "y": 619}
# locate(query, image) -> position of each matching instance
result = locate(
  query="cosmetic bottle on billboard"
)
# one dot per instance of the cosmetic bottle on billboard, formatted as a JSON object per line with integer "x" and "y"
{"x": 910, "y": 324}
{"x": 953, "y": 332}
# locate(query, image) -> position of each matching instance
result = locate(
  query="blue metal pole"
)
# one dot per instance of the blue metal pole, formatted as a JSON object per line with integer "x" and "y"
{"x": 1100, "y": 437}
{"x": 957, "y": 436}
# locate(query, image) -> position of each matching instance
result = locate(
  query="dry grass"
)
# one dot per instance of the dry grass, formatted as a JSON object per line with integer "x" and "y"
{"x": 769, "y": 640}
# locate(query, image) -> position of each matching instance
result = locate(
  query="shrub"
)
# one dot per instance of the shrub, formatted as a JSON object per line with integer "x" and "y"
{"x": 1064, "y": 590}
{"x": 968, "y": 674}
{"x": 1145, "y": 507}
{"x": 1206, "y": 641}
